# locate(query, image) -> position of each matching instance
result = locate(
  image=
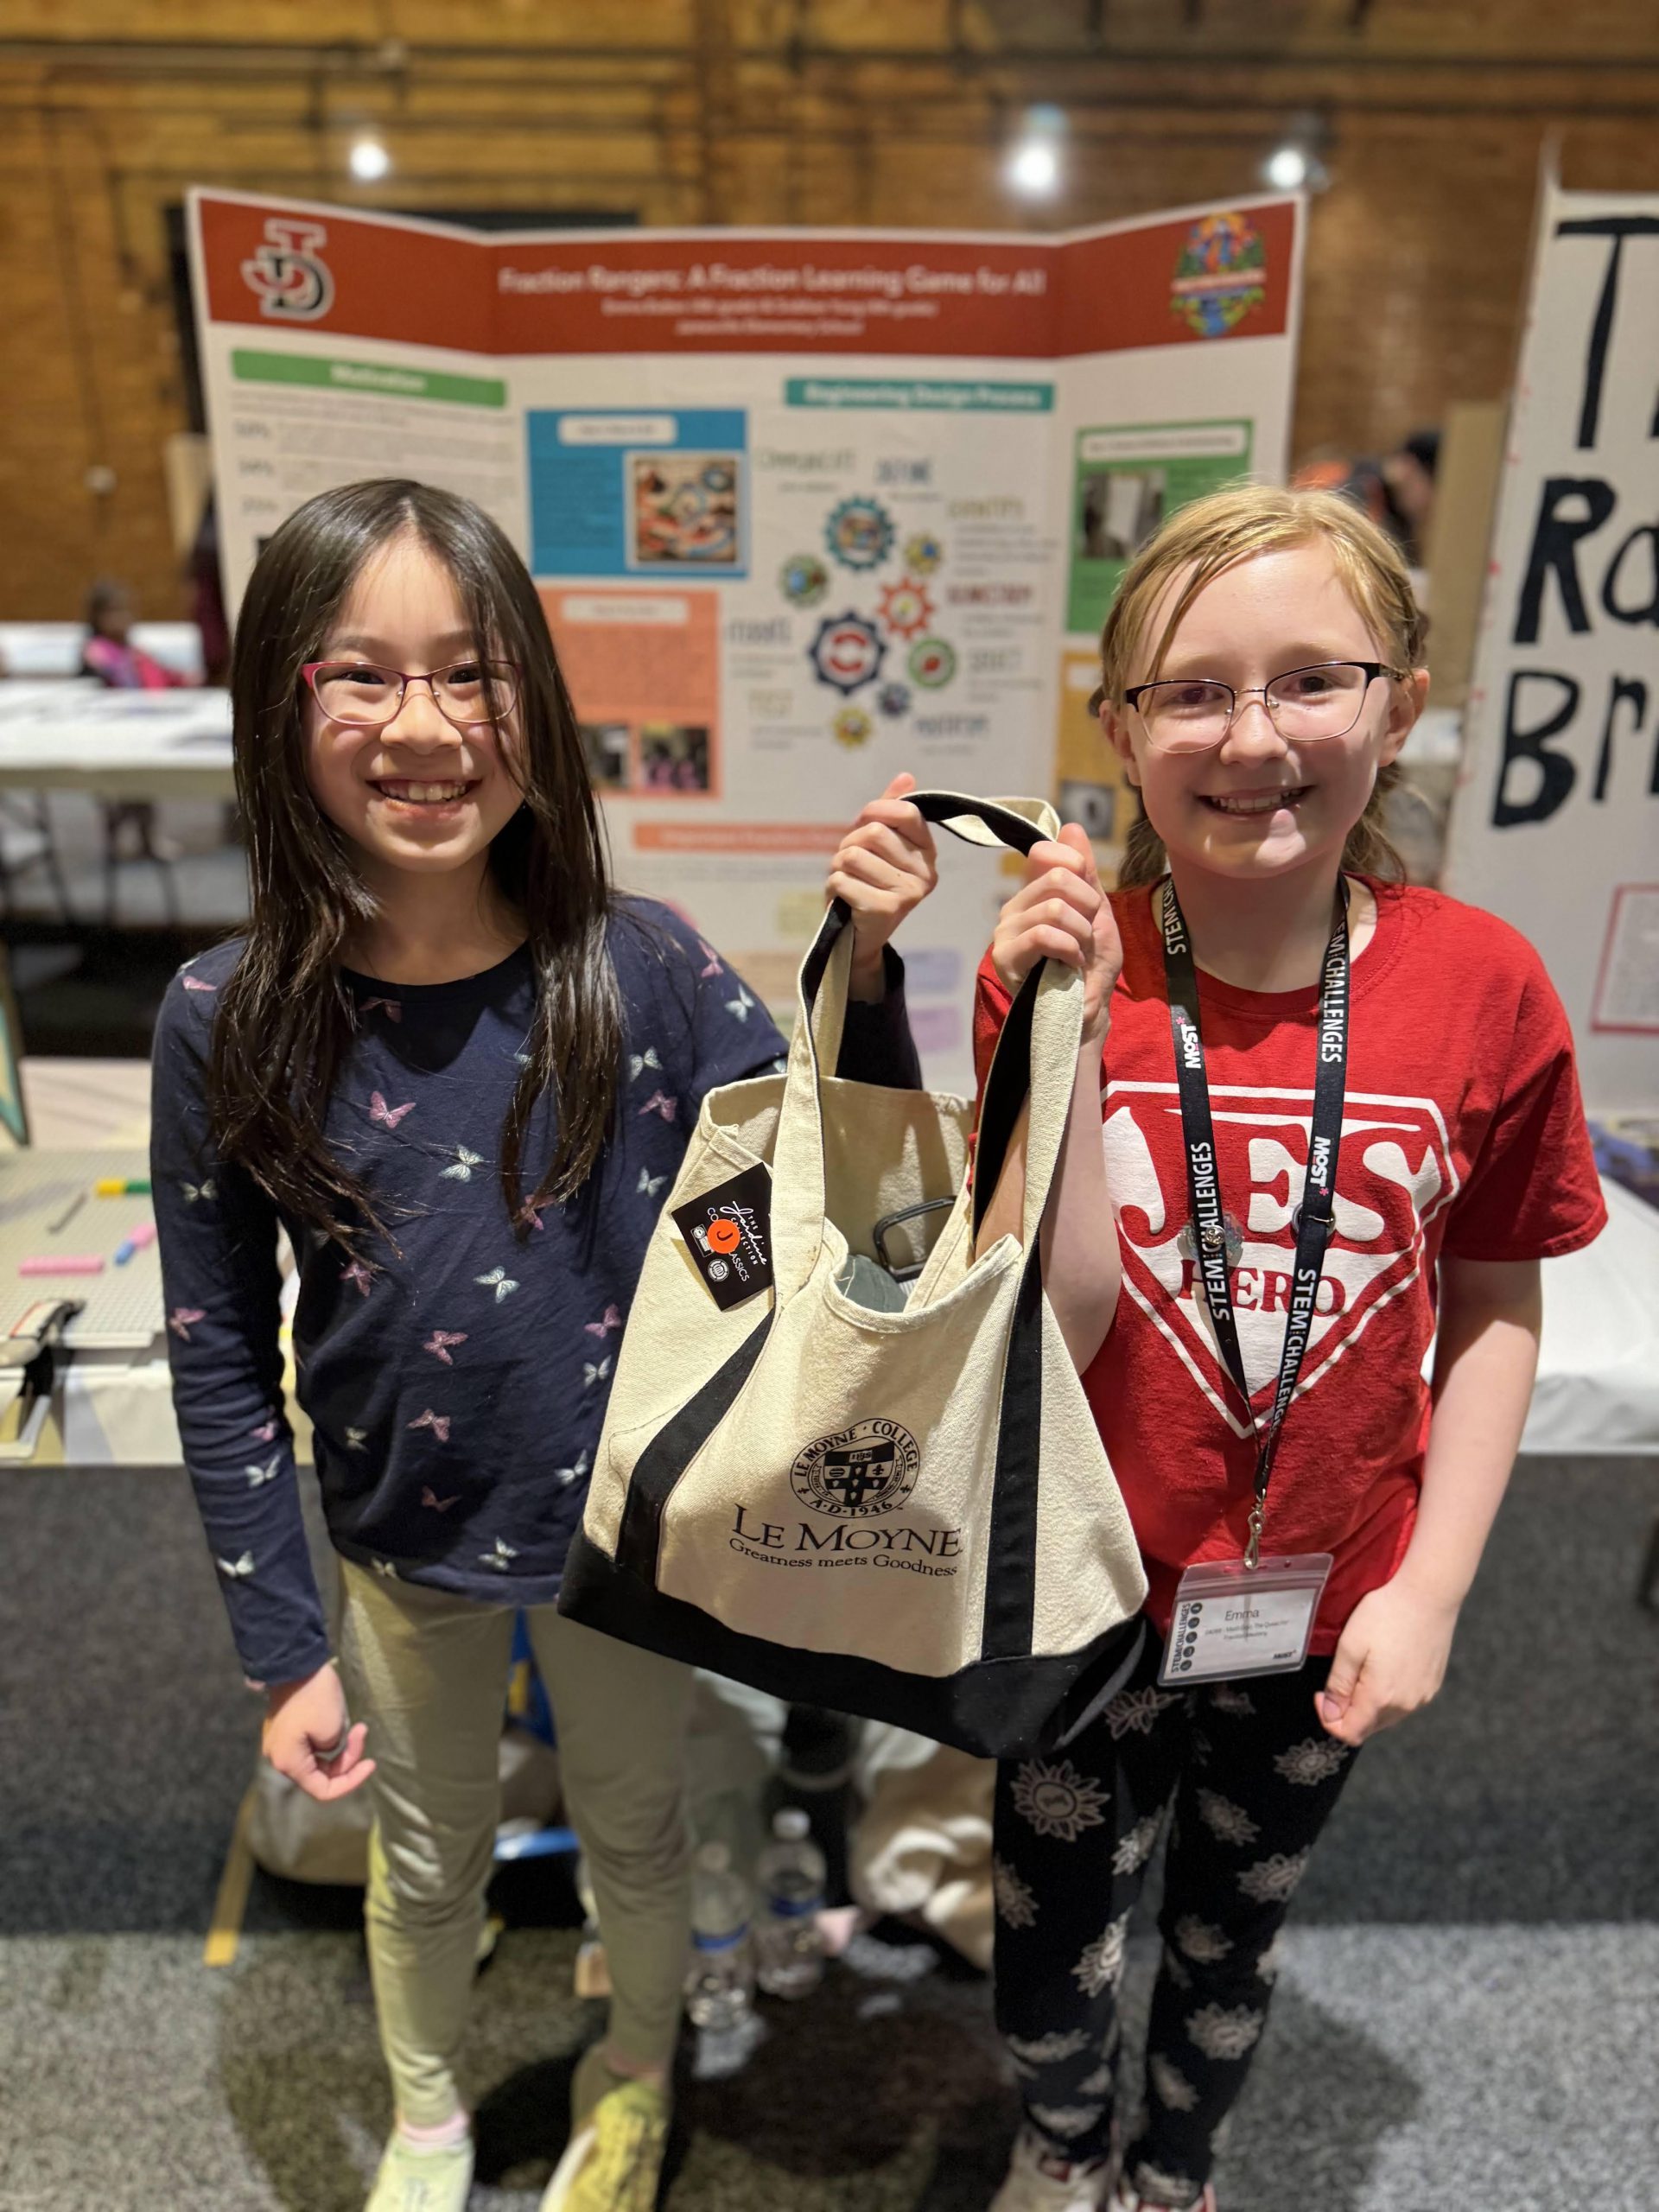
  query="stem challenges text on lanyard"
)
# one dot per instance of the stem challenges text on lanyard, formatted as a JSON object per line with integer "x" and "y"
{"x": 1313, "y": 1217}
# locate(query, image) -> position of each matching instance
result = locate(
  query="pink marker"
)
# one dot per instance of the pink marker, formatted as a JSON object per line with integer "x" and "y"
{"x": 69, "y": 1264}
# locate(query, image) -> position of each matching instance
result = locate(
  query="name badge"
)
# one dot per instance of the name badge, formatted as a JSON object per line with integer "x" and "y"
{"x": 1232, "y": 1619}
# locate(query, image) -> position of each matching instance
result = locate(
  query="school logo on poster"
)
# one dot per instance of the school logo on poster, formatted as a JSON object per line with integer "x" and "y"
{"x": 1395, "y": 1172}
{"x": 294, "y": 282}
{"x": 868, "y": 1468}
{"x": 1220, "y": 274}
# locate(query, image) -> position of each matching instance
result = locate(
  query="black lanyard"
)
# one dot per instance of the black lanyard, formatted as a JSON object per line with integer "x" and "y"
{"x": 1313, "y": 1216}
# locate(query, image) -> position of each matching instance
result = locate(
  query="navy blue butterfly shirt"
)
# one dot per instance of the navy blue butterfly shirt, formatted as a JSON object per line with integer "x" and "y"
{"x": 455, "y": 1385}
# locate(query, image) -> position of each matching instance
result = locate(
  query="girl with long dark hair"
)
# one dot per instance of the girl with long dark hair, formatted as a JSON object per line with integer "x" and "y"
{"x": 458, "y": 1069}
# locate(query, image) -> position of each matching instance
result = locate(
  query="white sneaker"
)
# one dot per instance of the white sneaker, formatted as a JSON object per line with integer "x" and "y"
{"x": 1125, "y": 2199}
{"x": 1040, "y": 2180}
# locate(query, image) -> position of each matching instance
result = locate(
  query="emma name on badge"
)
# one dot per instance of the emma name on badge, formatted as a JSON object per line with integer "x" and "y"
{"x": 1233, "y": 1619}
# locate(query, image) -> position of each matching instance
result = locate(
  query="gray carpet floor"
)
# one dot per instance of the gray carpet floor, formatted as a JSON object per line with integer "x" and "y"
{"x": 1468, "y": 2019}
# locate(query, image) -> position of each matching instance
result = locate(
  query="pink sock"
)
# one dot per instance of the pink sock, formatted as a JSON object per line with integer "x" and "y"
{"x": 452, "y": 2131}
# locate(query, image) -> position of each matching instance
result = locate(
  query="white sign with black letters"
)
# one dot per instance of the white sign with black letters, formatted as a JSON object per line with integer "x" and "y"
{"x": 1556, "y": 824}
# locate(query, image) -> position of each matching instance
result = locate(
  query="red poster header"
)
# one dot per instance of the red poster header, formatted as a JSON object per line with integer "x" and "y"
{"x": 1180, "y": 280}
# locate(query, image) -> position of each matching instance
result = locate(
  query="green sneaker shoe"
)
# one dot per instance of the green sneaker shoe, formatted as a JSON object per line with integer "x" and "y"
{"x": 614, "y": 2160}
{"x": 413, "y": 2179}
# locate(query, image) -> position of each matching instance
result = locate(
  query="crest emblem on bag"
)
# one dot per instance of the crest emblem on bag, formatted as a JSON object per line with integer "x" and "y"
{"x": 868, "y": 1468}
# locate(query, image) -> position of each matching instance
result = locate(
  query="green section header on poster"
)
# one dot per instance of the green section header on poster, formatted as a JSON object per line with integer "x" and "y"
{"x": 935, "y": 394}
{"x": 384, "y": 379}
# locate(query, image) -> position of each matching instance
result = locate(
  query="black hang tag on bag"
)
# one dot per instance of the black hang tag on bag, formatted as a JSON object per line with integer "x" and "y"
{"x": 727, "y": 1231}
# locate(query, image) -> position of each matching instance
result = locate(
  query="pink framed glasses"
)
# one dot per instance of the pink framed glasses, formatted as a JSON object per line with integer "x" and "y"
{"x": 466, "y": 693}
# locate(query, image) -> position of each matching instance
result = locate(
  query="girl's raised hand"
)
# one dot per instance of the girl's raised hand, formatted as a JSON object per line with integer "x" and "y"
{"x": 884, "y": 866}
{"x": 305, "y": 1722}
{"x": 1061, "y": 912}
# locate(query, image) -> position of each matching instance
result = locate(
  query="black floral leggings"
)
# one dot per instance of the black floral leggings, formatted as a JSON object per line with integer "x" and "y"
{"x": 1254, "y": 1778}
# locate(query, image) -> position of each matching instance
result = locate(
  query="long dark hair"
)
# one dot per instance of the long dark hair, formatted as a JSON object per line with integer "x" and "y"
{"x": 285, "y": 1018}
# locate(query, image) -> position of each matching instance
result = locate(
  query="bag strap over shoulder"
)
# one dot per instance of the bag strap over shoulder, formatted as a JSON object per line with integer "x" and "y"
{"x": 1037, "y": 1052}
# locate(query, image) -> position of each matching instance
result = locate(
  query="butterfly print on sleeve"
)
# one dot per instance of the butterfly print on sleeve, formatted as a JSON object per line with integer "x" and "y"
{"x": 236, "y": 1570}
{"x": 566, "y": 1475}
{"x": 611, "y": 1319}
{"x": 660, "y": 1103}
{"x": 714, "y": 967}
{"x": 182, "y": 1320}
{"x": 266, "y": 1432}
{"x": 430, "y": 1499}
{"x": 592, "y": 1374}
{"x": 438, "y": 1423}
{"x": 439, "y": 1341}
{"x": 649, "y": 1184}
{"x": 639, "y": 1062}
{"x": 499, "y": 1282}
{"x": 194, "y": 1192}
{"x": 500, "y": 1558}
{"x": 384, "y": 1116}
{"x": 529, "y": 1217}
{"x": 465, "y": 1161}
{"x": 259, "y": 1476}
{"x": 357, "y": 1440}
{"x": 195, "y": 984}
{"x": 742, "y": 1006}
{"x": 360, "y": 1275}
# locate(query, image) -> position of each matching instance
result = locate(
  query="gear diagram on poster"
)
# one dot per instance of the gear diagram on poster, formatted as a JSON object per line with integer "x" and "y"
{"x": 894, "y": 700}
{"x": 859, "y": 533}
{"x": 803, "y": 580}
{"x": 847, "y": 652}
{"x": 905, "y": 608}
{"x": 852, "y": 725}
{"x": 932, "y": 663}
{"x": 923, "y": 553}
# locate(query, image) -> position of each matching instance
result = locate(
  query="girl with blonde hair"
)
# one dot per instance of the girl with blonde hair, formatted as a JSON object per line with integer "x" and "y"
{"x": 1337, "y": 1111}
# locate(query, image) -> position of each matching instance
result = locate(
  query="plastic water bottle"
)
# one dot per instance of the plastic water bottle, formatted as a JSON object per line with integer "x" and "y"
{"x": 790, "y": 1875}
{"x": 720, "y": 1987}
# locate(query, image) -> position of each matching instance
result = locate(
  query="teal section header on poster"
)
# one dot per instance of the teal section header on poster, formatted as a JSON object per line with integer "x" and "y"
{"x": 934, "y": 394}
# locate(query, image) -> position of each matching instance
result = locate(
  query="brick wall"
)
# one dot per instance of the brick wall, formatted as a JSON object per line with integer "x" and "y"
{"x": 1430, "y": 118}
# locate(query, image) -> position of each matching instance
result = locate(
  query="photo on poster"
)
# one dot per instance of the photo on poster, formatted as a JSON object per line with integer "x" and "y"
{"x": 1127, "y": 481}
{"x": 1094, "y": 806}
{"x": 606, "y": 746}
{"x": 1117, "y": 511}
{"x": 673, "y": 757}
{"x": 684, "y": 510}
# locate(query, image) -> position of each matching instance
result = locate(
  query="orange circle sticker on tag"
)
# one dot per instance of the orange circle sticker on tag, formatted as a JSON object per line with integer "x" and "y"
{"x": 724, "y": 1235}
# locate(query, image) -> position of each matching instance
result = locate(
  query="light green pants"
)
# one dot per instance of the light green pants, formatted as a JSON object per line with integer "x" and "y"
{"x": 428, "y": 1671}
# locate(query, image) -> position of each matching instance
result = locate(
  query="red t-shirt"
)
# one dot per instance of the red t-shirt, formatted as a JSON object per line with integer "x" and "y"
{"x": 1462, "y": 1133}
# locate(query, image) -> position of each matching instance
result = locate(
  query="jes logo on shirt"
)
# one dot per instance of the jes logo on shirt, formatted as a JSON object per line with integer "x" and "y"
{"x": 1393, "y": 1174}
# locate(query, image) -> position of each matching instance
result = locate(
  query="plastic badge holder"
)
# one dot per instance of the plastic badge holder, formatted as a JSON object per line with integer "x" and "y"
{"x": 1232, "y": 1619}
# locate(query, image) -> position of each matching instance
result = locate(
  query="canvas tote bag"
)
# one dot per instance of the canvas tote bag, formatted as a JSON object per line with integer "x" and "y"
{"x": 906, "y": 1514}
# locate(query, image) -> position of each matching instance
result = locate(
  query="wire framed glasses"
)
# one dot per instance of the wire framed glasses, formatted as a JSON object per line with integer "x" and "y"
{"x": 1192, "y": 714}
